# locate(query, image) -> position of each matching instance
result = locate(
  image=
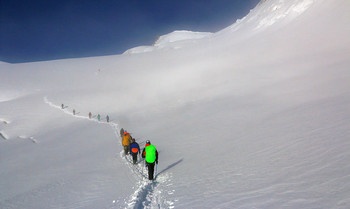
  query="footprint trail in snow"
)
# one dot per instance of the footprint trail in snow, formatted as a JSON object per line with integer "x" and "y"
{"x": 148, "y": 194}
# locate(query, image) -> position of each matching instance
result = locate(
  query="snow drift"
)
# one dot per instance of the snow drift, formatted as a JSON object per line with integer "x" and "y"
{"x": 253, "y": 116}
{"x": 170, "y": 41}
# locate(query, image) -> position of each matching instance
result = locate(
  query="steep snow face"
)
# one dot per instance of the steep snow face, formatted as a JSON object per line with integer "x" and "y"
{"x": 270, "y": 12}
{"x": 254, "y": 117}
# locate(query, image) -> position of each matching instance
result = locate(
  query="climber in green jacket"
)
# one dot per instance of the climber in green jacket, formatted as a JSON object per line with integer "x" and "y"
{"x": 151, "y": 157}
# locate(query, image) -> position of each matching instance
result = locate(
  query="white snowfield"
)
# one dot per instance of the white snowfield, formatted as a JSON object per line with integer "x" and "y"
{"x": 256, "y": 115}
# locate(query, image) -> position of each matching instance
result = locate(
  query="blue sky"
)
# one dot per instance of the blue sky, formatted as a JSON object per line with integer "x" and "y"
{"x": 36, "y": 30}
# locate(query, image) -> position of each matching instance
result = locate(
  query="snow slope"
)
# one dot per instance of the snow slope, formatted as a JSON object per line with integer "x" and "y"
{"x": 254, "y": 116}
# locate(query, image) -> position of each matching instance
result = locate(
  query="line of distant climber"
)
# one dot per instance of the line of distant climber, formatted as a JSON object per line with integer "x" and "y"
{"x": 90, "y": 114}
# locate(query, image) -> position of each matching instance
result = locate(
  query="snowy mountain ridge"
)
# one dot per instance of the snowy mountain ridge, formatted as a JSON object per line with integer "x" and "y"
{"x": 266, "y": 13}
{"x": 168, "y": 40}
{"x": 180, "y": 36}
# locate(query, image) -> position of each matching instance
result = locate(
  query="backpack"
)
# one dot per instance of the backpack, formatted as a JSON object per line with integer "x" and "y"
{"x": 134, "y": 147}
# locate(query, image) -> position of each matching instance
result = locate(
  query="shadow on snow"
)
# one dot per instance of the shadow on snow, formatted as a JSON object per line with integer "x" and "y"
{"x": 170, "y": 166}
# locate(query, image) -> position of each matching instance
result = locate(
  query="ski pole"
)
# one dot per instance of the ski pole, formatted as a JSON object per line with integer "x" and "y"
{"x": 155, "y": 175}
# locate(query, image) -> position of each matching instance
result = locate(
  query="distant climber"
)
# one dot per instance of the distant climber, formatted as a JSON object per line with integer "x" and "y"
{"x": 121, "y": 132}
{"x": 151, "y": 157}
{"x": 134, "y": 150}
{"x": 98, "y": 117}
{"x": 107, "y": 119}
{"x": 73, "y": 111}
{"x": 90, "y": 115}
{"x": 126, "y": 142}
{"x": 62, "y": 106}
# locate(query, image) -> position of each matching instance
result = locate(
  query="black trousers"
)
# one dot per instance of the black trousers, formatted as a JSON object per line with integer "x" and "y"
{"x": 134, "y": 157}
{"x": 150, "y": 167}
{"x": 126, "y": 150}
